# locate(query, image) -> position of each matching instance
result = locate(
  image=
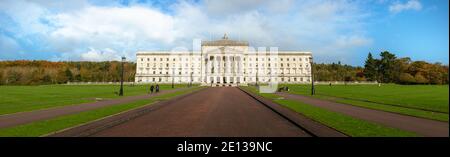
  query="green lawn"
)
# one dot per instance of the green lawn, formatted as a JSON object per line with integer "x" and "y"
{"x": 426, "y": 101}
{"x": 344, "y": 123}
{"x": 27, "y": 98}
{"x": 52, "y": 125}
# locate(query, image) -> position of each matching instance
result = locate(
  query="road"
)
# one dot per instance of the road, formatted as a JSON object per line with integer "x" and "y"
{"x": 211, "y": 112}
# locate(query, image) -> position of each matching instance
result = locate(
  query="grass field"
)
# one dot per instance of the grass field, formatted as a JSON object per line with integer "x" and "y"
{"x": 349, "y": 125}
{"x": 52, "y": 125}
{"x": 427, "y": 101}
{"x": 27, "y": 98}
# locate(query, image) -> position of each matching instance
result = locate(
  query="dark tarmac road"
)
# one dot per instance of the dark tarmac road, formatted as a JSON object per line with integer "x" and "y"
{"x": 211, "y": 112}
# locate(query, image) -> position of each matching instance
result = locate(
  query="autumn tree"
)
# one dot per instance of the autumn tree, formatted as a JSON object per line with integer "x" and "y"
{"x": 69, "y": 74}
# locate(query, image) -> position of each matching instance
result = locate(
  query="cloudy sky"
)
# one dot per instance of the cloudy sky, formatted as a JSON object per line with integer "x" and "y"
{"x": 334, "y": 30}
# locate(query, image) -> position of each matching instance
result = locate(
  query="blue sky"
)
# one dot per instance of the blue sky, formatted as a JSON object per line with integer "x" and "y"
{"x": 334, "y": 30}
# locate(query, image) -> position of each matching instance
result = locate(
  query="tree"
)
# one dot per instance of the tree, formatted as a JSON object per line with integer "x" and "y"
{"x": 35, "y": 77}
{"x": 46, "y": 79}
{"x": 1, "y": 78}
{"x": 69, "y": 74}
{"x": 417, "y": 67}
{"x": 371, "y": 68}
{"x": 401, "y": 65}
{"x": 61, "y": 77}
{"x": 77, "y": 78}
{"x": 13, "y": 77}
{"x": 387, "y": 65}
{"x": 434, "y": 74}
{"x": 420, "y": 79}
{"x": 406, "y": 78}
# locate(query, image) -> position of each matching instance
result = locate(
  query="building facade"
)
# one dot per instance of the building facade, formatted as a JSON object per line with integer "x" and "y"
{"x": 224, "y": 62}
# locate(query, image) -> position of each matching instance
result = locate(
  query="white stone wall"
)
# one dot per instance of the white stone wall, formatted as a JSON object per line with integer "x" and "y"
{"x": 286, "y": 67}
{"x": 165, "y": 67}
{"x": 241, "y": 66}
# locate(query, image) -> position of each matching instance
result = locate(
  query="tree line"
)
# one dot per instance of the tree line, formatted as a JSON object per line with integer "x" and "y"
{"x": 25, "y": 72}
{"x": 387, "y": 69}
{"x": 390, "y": 69}
{"x": 338, "y": 72}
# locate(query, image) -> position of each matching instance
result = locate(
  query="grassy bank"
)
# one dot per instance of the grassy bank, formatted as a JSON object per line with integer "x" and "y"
{"x": 27, "y": 98}
{"x": 52, "y": 125}
{"x": 425, "y": 101}
{"x": 343, "y": 123}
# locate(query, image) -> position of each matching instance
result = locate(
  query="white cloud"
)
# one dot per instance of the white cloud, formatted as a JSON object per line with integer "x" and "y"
{"x": 329, "y": 28}
{"x": 410, "y": 5}
{"x": 96, "y": 55}
{"x": 120, "y": 29}
{"x": 26, "y": 15}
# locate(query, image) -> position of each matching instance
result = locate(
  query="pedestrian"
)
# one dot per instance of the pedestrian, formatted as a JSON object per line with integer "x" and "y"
{"x": 157, "y": 88}
{"x": 151, "y": 89}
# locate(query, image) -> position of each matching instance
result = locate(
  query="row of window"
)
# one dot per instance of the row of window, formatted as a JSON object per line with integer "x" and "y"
{"x": 167, "y": 59}
{"x": 179, "y": 72}
{"x": 287, "y": 71}
{"x": 167, "y": 65}
{"x": 281, "y": 59}
{"x": 224, "y": 79}
{"x": 166, "y": 79}
{"x": 224, "y": 64}
{"x": 224, "y": 58}
{"x": 282, "y": 79}
{"x": 281, "y": 64}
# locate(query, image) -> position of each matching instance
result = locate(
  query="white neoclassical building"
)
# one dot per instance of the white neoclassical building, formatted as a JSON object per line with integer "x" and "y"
{"x": 224, "y": 62}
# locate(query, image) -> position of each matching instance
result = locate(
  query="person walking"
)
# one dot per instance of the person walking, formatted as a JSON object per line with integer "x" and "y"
{"x": 151, "y": 89}
{"x": 157, "y": 88}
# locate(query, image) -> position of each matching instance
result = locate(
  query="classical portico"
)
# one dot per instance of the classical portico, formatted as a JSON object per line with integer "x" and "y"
{"x": 222, "y": 60}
